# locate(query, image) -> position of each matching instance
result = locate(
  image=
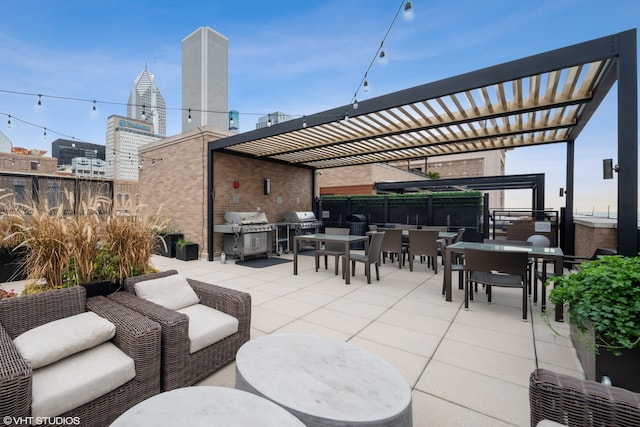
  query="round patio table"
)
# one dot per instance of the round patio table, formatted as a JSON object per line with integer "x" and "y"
{"x": 206, "y": 406}
{"x": 324, "y": 382}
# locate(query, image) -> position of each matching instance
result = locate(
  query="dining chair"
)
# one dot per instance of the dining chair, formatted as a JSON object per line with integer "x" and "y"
{"x": 540, "y": 241}
{"x": 423, "y": 243}
{"x": 442, "y": 243}
{"x": 457, "y": 259}
{"x": 392, "y": 245}
{"x": 331, "y": 249}
{"x": 371, "y": 255}
{"x": 493, "y": 268}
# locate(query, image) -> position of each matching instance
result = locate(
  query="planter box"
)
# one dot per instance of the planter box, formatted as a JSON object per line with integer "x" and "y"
{"x": 623, "y": 370}
{"x": 187, "y": 252}
{"x": 100, "y": 288}
{"x": 11, "y": 264}
{"x": 170, "y": 241}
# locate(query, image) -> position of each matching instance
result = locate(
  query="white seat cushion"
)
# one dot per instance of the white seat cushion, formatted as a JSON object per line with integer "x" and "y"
{"x": 207, "y": 326}
{"x": 56, "y": 340}
{"x": 172, "y": 292}
{"x": 79, "y": 379}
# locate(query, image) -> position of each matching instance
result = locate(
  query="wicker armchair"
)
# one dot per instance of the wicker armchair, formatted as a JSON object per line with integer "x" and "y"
{"x": 180, "y": 368}
{"x": 576, "y": 402}
{"x": 136, "y": 336}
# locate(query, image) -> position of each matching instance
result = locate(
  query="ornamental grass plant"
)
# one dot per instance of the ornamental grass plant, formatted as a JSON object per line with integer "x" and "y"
{"x": 80, "y": 241}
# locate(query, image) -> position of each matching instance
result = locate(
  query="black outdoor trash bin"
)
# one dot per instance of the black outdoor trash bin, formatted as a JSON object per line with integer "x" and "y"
{"x": 358, "y": 226}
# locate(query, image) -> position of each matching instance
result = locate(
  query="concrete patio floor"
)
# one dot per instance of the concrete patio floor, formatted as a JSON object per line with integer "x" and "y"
{"x": 465, "y": 368}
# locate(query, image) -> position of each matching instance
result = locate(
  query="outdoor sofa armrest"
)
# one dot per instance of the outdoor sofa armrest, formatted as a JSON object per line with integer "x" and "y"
{"x": 576, "y": 402}
{"x": 15, "y": 380}
{"x": 175, "y": 325}
{"x": 175, "y": 336}
{"x": 136, "y": 335}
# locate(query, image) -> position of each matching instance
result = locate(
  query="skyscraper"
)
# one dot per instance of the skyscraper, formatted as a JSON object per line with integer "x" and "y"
{"x": 124, "y": 137}
{"x": 147, "y": 104}
{"x": 205, "y": 77}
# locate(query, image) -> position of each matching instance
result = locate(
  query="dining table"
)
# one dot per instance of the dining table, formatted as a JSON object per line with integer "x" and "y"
{"x": 553, "y": 254}
{"x": 319, "y": 238}
{"x": 448, "y": 236}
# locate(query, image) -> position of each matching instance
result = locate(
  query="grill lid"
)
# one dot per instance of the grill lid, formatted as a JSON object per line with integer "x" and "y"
{"x": 244, "y": 218}
{"x": 293, "y": 216}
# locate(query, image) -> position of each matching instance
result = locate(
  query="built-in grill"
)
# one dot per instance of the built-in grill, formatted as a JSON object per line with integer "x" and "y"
{"x": 246, "y": 233}
{"x": 302, "y": 222}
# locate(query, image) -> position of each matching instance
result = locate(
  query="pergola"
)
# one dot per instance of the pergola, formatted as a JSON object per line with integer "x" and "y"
{"x": 542, "y": 99}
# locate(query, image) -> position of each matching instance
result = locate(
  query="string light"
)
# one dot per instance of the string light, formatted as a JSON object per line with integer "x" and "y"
{"x": 380, "y": 54}
{"x": 39, "y": 106}
{"x": 269, "y": 122}
{"x": 44, "y": 135}
{"x": 408, "y": 11}
{"x": 9, "y": 122}
{"x": 189, "y": 118}
{"x": 382, "y": 58}
{"x": 94, "y": 105}
{"x": 144, "y": 116}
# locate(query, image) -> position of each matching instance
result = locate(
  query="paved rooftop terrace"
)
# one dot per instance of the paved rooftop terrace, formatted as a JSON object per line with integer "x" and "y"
{"x": 465, "y": 368}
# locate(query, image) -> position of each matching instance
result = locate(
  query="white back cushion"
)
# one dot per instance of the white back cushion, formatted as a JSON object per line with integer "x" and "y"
{"x": 207, "y": 326}
{"x": 56, "y": 340}
{"x": 172, "y": 292}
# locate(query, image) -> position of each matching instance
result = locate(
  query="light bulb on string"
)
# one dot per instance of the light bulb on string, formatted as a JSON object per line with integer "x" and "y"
{"x": 9, "y": 122}
{"x": 365, "y": 86}
{"x": 408, "y": 11}
{"x": 44, "y": 135}
{"x": 304, "y": 122}
{"x": 39, "y": 105}
{"x": 382, "y": 58}
{"x": 355, "y": 103}
{"x": 189, "y": 120}
{"x": 94, "y": 105}
{"x": 144, "y": 115}
{"x": 269, "y": 122}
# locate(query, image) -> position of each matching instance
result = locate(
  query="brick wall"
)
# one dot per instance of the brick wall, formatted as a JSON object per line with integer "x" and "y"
{"x": 178, "y": 184}
{"x": 594, "y": 233}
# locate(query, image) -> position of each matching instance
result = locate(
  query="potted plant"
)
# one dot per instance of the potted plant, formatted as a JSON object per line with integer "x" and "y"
{"x": 166, "y": 244}
{"x": 603, "y": 300}
{"x": 186, "y": 251}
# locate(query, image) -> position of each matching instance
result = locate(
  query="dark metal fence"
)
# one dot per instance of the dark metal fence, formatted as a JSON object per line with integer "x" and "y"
{"x": 454, "y": 210}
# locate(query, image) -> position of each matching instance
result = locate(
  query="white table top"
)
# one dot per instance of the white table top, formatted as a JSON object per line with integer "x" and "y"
{"x": 324, "y": 381}
{"x": 206, "y": 406}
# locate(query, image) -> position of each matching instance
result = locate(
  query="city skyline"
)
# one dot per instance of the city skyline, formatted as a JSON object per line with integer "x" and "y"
{"x": 299, "y": 60}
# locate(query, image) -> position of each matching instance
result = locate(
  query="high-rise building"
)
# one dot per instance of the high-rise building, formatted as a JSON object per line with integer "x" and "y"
{"x": 272, "y": 119}
{"x": 205, "y": 77}
{"x": 124, "y": 137}
{"x": 66, "y": 150}
{"x": 147, "y": 104}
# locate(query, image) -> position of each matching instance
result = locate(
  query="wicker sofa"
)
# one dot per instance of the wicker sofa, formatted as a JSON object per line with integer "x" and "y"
{"x": 576, "y": 402}
{"x": 181, "y": 368}
{"x": 135, "y": 335}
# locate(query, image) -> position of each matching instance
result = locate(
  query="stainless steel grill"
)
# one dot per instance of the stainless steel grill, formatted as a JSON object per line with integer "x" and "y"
{"x": 246, "y": 233}
{"x": 302, "y": 222}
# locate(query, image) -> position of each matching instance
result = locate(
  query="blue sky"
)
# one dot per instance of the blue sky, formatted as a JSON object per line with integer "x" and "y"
{"x": 299, "y": 57}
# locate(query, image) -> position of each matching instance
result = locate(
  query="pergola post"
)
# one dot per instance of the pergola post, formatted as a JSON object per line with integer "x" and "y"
{"x": 628, "y": 145}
